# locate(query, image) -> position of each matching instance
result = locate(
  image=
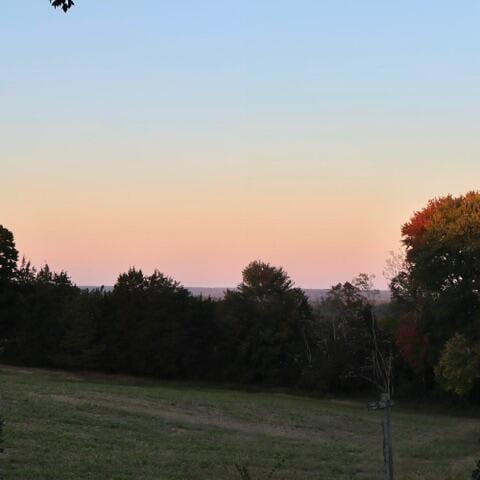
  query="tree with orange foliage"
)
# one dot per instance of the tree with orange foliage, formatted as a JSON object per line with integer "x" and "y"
{"x": 443, "y": 244}
{"x": 440, "y": 284}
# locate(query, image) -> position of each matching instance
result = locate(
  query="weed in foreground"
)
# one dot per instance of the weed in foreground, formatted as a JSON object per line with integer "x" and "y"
{"x": 243, "y": 469}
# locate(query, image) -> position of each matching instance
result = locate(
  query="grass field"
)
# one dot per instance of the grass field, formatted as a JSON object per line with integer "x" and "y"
{"x": 67, "y": 426}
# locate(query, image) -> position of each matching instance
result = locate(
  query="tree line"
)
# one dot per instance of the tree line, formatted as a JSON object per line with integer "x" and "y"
{"x": 266, "y": 331}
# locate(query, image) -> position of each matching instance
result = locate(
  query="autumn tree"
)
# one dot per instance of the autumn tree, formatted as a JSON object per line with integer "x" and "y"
{"x": 441, "y": 280}
{"x": 443, "y": 245}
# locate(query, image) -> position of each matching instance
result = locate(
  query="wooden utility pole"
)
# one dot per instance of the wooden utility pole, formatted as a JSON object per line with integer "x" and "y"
{"x": 379, "y": 372}
{"x": 386, "y": 404}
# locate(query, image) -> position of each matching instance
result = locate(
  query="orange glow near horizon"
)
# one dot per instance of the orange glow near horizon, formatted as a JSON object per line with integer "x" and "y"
{"x": 203, "y": 233}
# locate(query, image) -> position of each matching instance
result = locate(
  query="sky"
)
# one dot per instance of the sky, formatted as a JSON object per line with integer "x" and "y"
{"x": 196, "y": 136}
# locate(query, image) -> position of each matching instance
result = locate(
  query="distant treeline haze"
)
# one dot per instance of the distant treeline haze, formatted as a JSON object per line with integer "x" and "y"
{"x": 266, "y": 331}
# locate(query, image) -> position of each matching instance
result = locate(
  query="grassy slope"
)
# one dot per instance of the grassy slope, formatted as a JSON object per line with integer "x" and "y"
{"x": 65, "y": 426}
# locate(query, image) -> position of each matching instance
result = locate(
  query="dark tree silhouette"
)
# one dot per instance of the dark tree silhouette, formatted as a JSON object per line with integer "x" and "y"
{"x": 265, "y": 321}
{"x": 8, "y": 255}
{"x": 65, "y": 5}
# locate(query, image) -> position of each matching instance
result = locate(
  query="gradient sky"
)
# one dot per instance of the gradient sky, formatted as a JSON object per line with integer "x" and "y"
{"x": 195, "y": 136}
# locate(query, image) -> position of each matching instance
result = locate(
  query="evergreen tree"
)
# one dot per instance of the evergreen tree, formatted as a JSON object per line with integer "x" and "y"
{"x": 8, "y": 257}
{"x": 266, "y": 322}
{"x": 8, "y": 293}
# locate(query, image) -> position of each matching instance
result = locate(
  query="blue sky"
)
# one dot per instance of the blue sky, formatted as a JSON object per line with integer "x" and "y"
{"x": 310, "y": 126}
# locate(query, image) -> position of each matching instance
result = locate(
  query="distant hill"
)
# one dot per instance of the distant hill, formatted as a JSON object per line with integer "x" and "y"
{"x": 314, "y": 294}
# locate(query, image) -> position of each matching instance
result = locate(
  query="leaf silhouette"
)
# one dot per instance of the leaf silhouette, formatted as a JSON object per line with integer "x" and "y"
{"x": 65, "y": 5}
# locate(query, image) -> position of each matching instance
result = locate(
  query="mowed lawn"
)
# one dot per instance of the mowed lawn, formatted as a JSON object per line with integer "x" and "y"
{"x": 72, "y": 426}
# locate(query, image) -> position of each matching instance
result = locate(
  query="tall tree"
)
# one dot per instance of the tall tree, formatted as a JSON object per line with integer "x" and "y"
{"x": 267, "y": 319}
{"x": 261, "y": 281}
{"x": 343, "y": 335}
{"x": 443, "y": 245}
{"x": 8, "y": 255}
{"x": 8, "y": 294}
{"x": 438, "y": 291}
{"x": 158, "y": 328}
{"x": 38, "y": 328}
